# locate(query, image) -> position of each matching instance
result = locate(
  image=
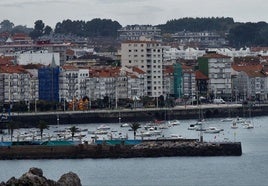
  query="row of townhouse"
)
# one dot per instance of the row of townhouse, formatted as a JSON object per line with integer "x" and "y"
{"x": 212, "y": 77}
{"x": 99, "y": 82}
{"x": 144, "y": 72}
{"x": 217, "y": 76}
{"x": 17, "y": 84}
{"x": 66, "y": 83}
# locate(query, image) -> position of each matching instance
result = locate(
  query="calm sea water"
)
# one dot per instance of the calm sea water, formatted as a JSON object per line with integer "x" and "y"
{"x": 250, "y": 169}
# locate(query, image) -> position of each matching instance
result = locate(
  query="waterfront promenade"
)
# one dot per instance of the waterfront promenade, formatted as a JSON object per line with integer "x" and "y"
{"x": 30, "y": 119}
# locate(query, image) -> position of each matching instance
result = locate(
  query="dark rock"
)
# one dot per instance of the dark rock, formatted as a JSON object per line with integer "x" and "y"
{"x": 35, "y": 177}
{"x": 36, "y": 171}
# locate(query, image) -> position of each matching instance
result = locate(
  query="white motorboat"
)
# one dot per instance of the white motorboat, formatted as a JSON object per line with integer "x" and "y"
{"x": 212, "y": 130}
{"x": 124, "y": 125}
{"x": 153, "y": 131}
{"x": 173, "y": 122}
{"x": 103, "y": 127}
{"x": 227, "y": 120}
{"x": 176, "y": 136}
{"x": 239, "y": 120}
{"x": 192, "y": 127}
{"x": 234, "y": 126}
{"x": 101, "y": 132}
{"x": 248, "y": 125}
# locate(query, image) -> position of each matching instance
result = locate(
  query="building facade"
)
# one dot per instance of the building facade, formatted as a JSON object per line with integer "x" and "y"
{"x": 217, "y": 68}
{"x": 148, "y": 56}
{"x": 134, "y": 32}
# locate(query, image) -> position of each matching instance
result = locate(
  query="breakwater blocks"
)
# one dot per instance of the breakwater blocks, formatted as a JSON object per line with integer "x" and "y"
{"x": 152, "y": 148}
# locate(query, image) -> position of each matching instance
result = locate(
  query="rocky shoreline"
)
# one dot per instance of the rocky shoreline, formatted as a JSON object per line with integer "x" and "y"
{"x": 152, "y": 148}
{"x": 35, "y": 177}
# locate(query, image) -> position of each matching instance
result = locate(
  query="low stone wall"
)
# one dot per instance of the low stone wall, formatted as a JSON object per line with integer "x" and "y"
{"x": 145, "y": 149}
{"x": 138, "y": 115}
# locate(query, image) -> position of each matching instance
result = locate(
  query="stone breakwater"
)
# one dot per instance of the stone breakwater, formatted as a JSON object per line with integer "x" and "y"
{"x": 35, "y": 177}
{"x": 157, "y": 148}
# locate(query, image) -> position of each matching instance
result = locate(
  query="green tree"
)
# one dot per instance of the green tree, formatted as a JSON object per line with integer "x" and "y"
{"x": 38, "y": 29}
{"x": 134, "y": 127}
{"x": 42, "y": 125}
{"x": 94, "y": 28}
{"x": 6, "y": 26}
{"x": 21, "y": 29}
{"x": 73, "y": 130}
{"x": 47, "y": 30}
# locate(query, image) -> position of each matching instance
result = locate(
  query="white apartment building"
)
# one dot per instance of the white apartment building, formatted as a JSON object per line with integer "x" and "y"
{"x": 136, "y": 82}
{"x": 16, "y": 85}
{"x": 217, "y": 68}
{"x": 148, "y": 56}
{"x": 183, "y": 53}
{"x": 134, "y": 32}
{"x": 39, "y": 57}
{"x": 73, "y": 83}
{"x": 251, "y": 84}
{"x": 189, "y": 82}
{"x": 68, "y": 83}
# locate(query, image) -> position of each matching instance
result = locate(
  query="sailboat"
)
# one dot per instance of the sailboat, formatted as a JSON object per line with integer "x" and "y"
{"x": 229, "y": 119}
{"x": 234, "y": 126}
{"x": 248, "y": 123}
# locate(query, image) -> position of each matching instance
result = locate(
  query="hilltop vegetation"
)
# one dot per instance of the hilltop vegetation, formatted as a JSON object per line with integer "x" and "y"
{"x": 198, "y": 25}
{"x": 93, "y": 28}
{"x": 238, "y": 34}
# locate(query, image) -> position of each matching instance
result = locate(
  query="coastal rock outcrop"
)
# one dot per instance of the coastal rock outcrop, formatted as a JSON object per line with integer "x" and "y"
{"x": 35, "y": 177}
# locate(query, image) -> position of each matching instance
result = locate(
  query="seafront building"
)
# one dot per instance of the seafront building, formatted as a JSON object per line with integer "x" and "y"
{"x": 148, "y": 68}
{"x": 148, "y": 56}
{"x": 16, "y": 85}
{"x": 217, "y": 68}
{"x": 249, "y": 81}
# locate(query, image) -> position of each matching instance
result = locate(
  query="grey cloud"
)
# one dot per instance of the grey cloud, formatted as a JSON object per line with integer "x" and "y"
{"x": 33, "y": 2}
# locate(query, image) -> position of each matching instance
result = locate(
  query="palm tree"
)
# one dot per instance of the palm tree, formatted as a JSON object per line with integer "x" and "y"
{"x": 134, "y": 127}
{"x": 42, "y": 125}
{"x": 73, "y": 130}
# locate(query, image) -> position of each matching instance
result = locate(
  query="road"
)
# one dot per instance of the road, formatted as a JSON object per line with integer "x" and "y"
{"x": 181, "y": 107}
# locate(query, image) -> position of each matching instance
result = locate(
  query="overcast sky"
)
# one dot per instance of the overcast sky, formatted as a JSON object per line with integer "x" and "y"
{"x": 26, "y": 12}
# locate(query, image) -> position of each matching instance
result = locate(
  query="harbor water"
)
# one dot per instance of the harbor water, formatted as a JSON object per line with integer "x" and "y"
{"x": 250, "y": 169}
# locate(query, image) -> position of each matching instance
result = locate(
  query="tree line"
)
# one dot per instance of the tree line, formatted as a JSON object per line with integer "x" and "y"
{"x": 238, "y": 34}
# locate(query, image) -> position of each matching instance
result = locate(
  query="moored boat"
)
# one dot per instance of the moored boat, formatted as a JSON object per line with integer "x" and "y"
{"x": 212, "y": 130}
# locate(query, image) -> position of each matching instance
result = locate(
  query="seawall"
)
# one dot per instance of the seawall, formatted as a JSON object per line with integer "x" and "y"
{"x": 135, "y": 115}
{"x": 156, "y": 148}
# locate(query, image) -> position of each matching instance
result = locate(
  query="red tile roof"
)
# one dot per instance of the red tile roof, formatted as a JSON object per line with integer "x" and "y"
{"x": 169, "y": 69}
{"x": 214, "y": 55}
{"x": 200, "y": 76}
{"x": 252, "y": 73}
{"x": 11, "y": 69}
{"x": 6, "y": 60}
{"x": 240, "y": 68}
{"x": 138, "y": 70}
{"x": 69, "y": 67}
